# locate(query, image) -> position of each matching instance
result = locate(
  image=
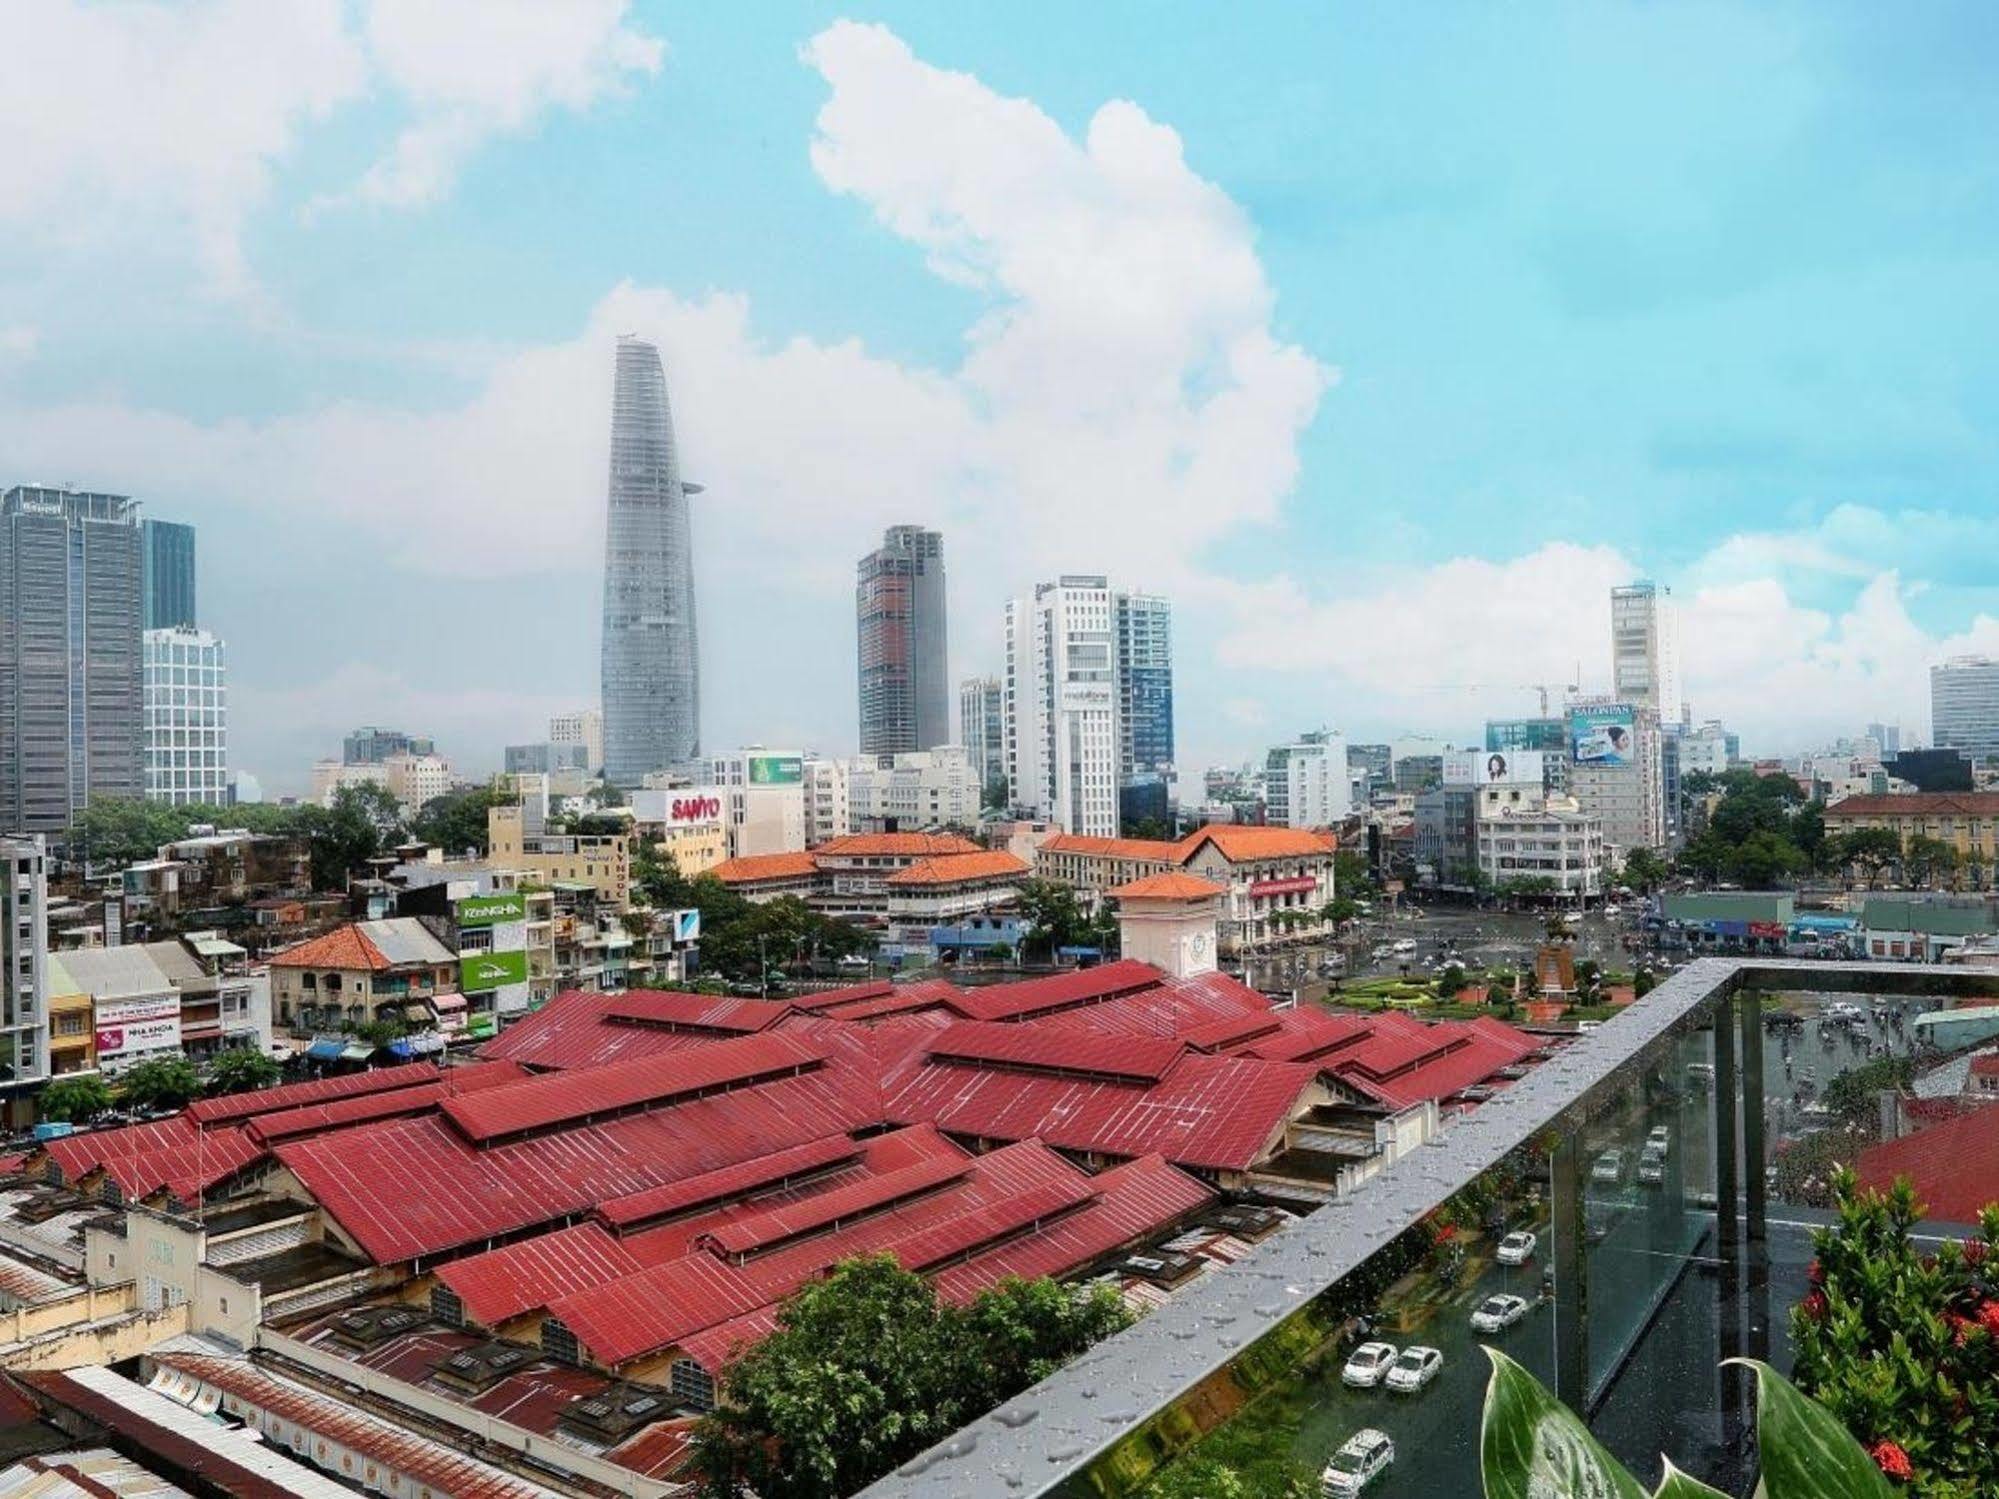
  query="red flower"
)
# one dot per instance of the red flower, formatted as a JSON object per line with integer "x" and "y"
{"x": 1892, "y": 1460}
{"x": 1988, "y": 1317}
{"x": 1813, "y": 1306}
{"x": 1960, "y": 1326}
{"x": 1815, "y": 1273}
{"x": 1974, "y": 1252}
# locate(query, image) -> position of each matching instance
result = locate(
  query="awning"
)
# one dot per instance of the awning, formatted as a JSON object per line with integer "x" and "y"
{"x": 325, "y": 1048}
{"x": 427, "y": 1044}
{"x": 417, "y": 1014}
{"x": 356, "y": 1051}
{"x": 447, "y": 1001}
{"x": 401, "y": 1049}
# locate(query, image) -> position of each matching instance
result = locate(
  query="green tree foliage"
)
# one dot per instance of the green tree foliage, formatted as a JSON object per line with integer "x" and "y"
{"x": 1056, "y": 919}
{"x": 1930, "y": 861}
{"x": 75, "y": 1099}
{"x": 1870, "y": 851}
{"x": 1644, "y": 871}
{"x": 159, "y": 1083}
{"x": 456, "y": 821}
{"x": 1763, "y": 832}
{"x": 738, "y": 936}
{"x": 362, "y": 821}
{"x": 241, "y": 1069}
{"x": 1853, "y": 1093}
{"x": 867, "y": 1368}
{"x": 1900, "y": 1341}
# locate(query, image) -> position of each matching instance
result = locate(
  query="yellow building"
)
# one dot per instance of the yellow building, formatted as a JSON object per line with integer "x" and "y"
{"x": 602, "y": 861}
{"x": 72, "y": 1026}
{"x": 695, "y": 848}
{"x": 1966, "y": 820}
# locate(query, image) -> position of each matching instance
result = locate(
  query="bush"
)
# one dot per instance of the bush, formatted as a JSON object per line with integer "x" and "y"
{"x": 75, "y": 1099}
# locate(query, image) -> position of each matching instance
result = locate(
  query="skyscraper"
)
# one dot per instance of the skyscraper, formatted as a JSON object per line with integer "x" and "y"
{"x": 187, "y": 718}
{"x": 1645, "y": 649}
{"x": 71, "y": 715}
{"x": 1964, "y": 705}
{"x": 982, "y": 727}
{"x": 166, "y": 577}
{"x": 651, "y": 673}
{"x": 1062, "y": 705}
{"x": 1144, "y": 623}
{"x": 899, "y": 612}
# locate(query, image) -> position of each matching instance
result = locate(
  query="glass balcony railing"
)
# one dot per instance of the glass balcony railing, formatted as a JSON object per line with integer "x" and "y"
{"x": 1605, "y": 1221}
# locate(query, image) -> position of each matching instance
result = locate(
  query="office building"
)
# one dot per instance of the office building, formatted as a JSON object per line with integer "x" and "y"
{"x": 166, "y": 575}
{"x": 1645, "y": 649}
{"x": 1307, "y": 784}
{"x": 904, "y": 670}
{"x": 764, "y": 795}
{"x": 1144, "y": 625}
{"x": 1617, "y": 773}
{"x": 187, "y": 718}
{"x": 417, "y": 780}
{"x": 912, "y": 793}
{"x": 1061, "y": 704}
{"x": 1708, "y": 750}
{"x": 71, "y": 703}
{"x": 24, "y": 962}
{"x": 828, "y": 800}
{"x": 1415, "y": 774}
{"x": 1546, "y": 736}
{"x": 1889, "y": 737}
{"x": 585, "y": 726}
{"x": 369, "y": 745}
{"x": 1372, "y": 766}
{"x": 982, "y": 727}
{"x": 1964, "y": 705}
{"x": 546, "y": 758}
{"x": 650, "y": 666}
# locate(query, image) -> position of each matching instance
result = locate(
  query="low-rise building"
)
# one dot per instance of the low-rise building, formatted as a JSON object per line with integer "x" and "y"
{"x": 366, "y": 972}
{"x": 1728, "y": 921}
{"x": 1542, "y": 847}
{"x": 210, "y": 871}
{"x": 1923, "y": 931}
{"x": 685, "y": 824}
{"x": 1968, "y": 821}
{"x": 24, "y": 970}
{"x": 600, "y": 860}
{"x": 949, "y": 892}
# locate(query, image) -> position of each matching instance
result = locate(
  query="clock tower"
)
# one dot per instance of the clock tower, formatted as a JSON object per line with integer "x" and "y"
{"x": 1168, "y": 920}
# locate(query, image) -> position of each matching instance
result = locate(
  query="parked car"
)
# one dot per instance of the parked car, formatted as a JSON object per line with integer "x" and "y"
{"x": 1609, "y": 1168}
{"x": 1369, "y": 1363}
{"x": 855, "y": 960}
{"x": 1413, "y": 1370}
{"x": 1517, "y": 1248}
{"x": 1364, "y": 1458}
{"x": 1660, "y": 1139}
{"x": 1497, "y": 1313}
{"x": 1652, "y": 1167}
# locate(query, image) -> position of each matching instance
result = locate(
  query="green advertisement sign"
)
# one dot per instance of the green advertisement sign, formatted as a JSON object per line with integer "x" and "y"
{"x": 490, "y": 910}
{"x": 482, "y": 1025}
{"x": 492, "y": 970}
{"x": 776, "y": 770}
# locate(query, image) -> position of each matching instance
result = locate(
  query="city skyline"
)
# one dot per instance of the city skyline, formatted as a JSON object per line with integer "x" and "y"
{"x": 1335, "y": 347}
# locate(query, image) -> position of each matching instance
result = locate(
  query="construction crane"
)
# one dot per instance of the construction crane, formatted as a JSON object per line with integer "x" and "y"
{"x": 1543, "y": 688}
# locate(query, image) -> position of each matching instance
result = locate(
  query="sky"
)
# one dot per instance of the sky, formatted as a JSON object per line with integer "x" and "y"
{"x": 1383, "y": 339}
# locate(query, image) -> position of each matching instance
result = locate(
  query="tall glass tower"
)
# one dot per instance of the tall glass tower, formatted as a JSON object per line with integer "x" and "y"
{"x": 651, "y": 675}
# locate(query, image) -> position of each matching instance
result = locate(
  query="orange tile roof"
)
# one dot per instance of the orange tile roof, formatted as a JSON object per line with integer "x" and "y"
{"x": 1918, "y": 804}
{"x": 344, "y": 947}
{"x": 753, "y": 867}
{"x": 906, "y": 845}
{"x": 1114, "y": 848}
{"x": 1174, "y": 884}
{"x": 1240, "y": 841}
{"x": 955, "y": 868}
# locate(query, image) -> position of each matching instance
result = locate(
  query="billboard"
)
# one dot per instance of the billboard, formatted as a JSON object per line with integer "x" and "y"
{"x": 1492, "y": 767}
{"x": 694, "y": 807}
{"x": 478, "y": 972}
{"x": 1604, "y": 736}
{"x": 490, "y": 910}
{"x": 686, "y": 927}
{"x": 138, "y": 1035}
{"x": 776, "y": 770}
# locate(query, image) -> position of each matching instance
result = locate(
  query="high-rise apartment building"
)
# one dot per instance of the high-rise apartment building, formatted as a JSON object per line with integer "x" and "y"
{"x": 369, "y": 745}
{"x": 187, "y": 718}
{"x": 1061, "y": 703}
{"x": 1617, "y": 773}
{"x": 71, "y": 709}
{"x": 166, "y": 575}
{"x": 1548, "y": 736}
{"x": 1645, "y": 649}
{"x": 585, "y": 726}
{"x": 24, "y": 969}
{"x": 1306, "y": 784}
{"x": 982, "y": 727}
{"x": 1144, "y": 624}
{"x": 1888, "y": 736}
{"x": 1964, "y": 705}
{"x": 650, "y": 664}
{"x": 904, "y": 670}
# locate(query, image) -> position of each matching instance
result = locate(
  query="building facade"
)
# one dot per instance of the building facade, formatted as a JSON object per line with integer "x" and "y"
{"x": 912, "y": 793}
{"x": 166, "y": 575}
{"x": 1617, "y": 773}
{"x": 1645, "y": 649}
{"x": 1307, "y": 784}
{"x": 370, "y": 745}
{"x": 24, "y": 968}
{"x": 765, "y": 801}
{"x": 982, "y": 727}
{"x": 415, "y": 780}
{"x": 585, "y": 726}
{"x": 72, "y": 717}
{"x": 651, "y": 658}
{"x": 602, "y": 861}
{"x": 187, "y": 717}
{"x": 545, "y": 758}
{"x": 1144, "y": 625}
{"x": 904, "y": 668}
{"x": 1964, "y": 705}
{"x": 1061, "y": 704}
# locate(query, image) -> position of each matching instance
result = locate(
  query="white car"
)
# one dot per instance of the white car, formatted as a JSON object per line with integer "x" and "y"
{"x": 1364, "y": 1458}
{"x": 1369, "y": 1362}
{"x": 1405, "y": 944}
{"x": 1660, "y": 1139}
{"x": 1416, "y": 1368}
{"x": 1652, "y": 1167}
{"x": 1517, "y": 1248}
{"x": 1609, "y": 1167}
{"x": 1497, "y": 1313}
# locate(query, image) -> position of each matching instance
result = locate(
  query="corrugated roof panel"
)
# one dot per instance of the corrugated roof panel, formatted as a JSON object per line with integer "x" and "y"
{"x": 404, "y": 939}
{"x": 766, "y": 1230}
{"x": 657, "y": 1307}
{"x": 344, "y": 1113}
{"x": 930, "y": 1247}
{"x": 1135, "y": 1058}
{"x": 1084, "y": 986}
{"x": 572, "y": 1030}
{"x": 730, "y": 1181}
{"x": 323, "y": 1090}
{"x": 524, "y": 1277}
{"x": 707, "y": 1012}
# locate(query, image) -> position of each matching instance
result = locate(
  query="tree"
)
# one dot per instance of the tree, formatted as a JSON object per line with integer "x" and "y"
{"x": 120, "y": 830}
{"x": 75, "y": 1099}
{"x": 1854, "y": 1093}
{"x": 994, "y": 795}
{"x": 1765, "y": 858}
{"x": 456, "y": 821}
{"x": 1451, "y": 981}
{"x": 867, "y": 1368}
{"x": 1870, "y": 850}
{"x": 1055, "y": 917}
{"x": 1929, "y": 861}
{"x": 1900, "y": 1340}
{"x": 362, "y": 821}
{"x": 159, "y": 1083}
{"x": 241, "y": 1069}
{"x": 1644, "y": 871}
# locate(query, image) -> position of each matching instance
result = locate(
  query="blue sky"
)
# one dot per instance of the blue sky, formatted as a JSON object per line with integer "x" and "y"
{"x": 1382, "y": 338}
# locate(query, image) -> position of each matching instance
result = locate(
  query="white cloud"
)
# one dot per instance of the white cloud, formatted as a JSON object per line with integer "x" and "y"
{"x": 18, "y": 343}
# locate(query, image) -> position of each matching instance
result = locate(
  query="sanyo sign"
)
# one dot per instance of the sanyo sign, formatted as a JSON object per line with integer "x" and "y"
{"x": 680, "y": 807}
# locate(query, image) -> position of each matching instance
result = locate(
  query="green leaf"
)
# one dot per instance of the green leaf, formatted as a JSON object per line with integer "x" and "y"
{"x": 1678, "y": 1485}
{"x": 1531, "y": 1445}
{"x": 1806, "y": 1453}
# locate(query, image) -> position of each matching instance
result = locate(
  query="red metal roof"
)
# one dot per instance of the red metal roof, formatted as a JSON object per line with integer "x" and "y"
{"x": 1061, "y": 991}
{"x": 1131, "y": 1058}
{"x": 1230, "y": 1031}
{"x": 573, "y": 1030}
{"x": 827, "y": 999}
{"x": 778, "y": 1225}
{"x": 541, "y": 1102}
{"x": 657, "y": 1307}
{"x": 343, "y": 1113}
{"x": 323, "y": 1090}
{"x": 730, "y": 1181}
{"x": 872, "y": 1001}
{"x": 1954, "y": 1166}
{"x": 524, "y": 1277}
{"x": 174, "y": 1155}
{"x": 719, "y": 1014}
{"x": 968, "y": 1232}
